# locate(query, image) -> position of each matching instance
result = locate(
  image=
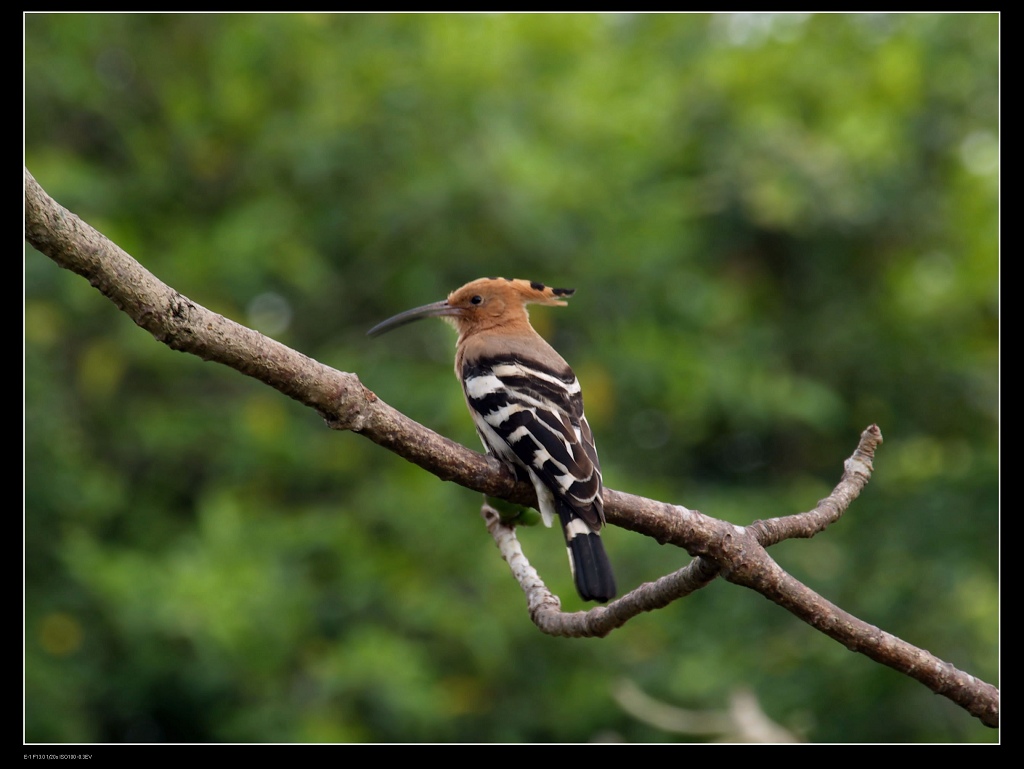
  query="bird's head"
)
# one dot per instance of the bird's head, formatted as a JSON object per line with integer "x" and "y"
{"x": 483, "y": 304}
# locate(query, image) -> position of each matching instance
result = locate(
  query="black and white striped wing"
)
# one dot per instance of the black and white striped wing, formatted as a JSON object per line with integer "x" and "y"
{"x": 530, "y": 416}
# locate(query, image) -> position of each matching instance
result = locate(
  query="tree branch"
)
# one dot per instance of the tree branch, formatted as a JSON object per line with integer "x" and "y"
{"x": 720, "y": 548}
{"x": 743, "y": 721}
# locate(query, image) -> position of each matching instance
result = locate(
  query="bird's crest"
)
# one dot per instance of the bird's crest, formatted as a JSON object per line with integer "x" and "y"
{"x": 526, "y": 291}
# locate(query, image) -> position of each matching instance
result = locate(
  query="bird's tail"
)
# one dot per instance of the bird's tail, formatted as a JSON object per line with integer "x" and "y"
{"x": 591, "y": 569}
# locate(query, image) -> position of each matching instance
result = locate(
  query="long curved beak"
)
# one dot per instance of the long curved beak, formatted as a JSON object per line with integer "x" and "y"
{"x": 435, "y": 310}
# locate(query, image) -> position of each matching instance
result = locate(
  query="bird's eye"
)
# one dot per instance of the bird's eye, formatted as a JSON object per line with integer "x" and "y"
{"x": 476, "y": 299}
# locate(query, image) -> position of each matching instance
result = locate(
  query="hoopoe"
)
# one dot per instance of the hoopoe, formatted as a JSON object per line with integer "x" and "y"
{"x": 527, "y": 406}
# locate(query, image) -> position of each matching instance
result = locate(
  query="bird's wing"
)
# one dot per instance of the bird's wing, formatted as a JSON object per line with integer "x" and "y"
{"x": 530, "y": 415}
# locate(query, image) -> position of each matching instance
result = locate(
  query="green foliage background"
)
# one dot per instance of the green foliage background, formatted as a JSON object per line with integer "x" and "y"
{"x": 782, "y": 228}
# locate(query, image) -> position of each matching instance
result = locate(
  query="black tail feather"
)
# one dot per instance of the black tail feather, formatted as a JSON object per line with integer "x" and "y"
{"x": 591, "y": 568}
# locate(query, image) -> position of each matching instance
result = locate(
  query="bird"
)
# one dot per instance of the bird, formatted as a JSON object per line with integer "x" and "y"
{"x": 527, "y": 406}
